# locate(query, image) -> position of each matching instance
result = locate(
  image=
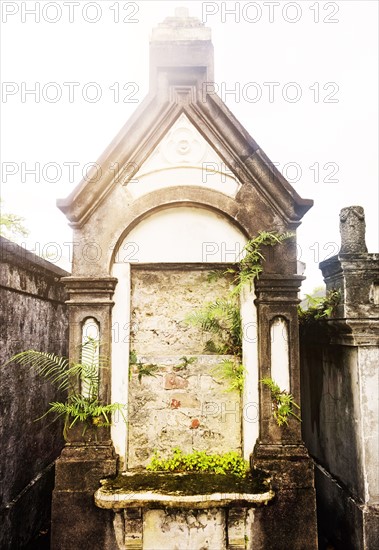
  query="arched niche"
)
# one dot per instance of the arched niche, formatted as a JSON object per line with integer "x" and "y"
{"x": 90, "y": 329}
{"x": 90, "y": 352}
{"x": 190, "y": 239}
{"x": 279, "y": 348}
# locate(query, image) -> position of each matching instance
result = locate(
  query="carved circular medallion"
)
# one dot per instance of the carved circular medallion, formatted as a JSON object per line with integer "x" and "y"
{"x": 183, "y": 147}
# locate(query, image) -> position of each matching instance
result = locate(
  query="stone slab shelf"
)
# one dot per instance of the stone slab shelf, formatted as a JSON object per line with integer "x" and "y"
{"x": 182, "y": 490}
{"x": 117, "y": 501}
{"x": 167, "y": 511}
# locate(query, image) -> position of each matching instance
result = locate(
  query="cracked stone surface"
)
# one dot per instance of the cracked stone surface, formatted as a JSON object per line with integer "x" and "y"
{"x": 202, "y": 529}
{"x": 187, "y": 407}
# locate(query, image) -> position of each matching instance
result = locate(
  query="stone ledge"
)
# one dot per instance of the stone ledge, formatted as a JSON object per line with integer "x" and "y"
{"x": 118, "y": 501}
{"x": 182, "y": 490}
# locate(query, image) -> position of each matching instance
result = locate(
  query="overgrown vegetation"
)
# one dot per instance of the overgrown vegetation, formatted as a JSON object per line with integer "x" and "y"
{"x": 250, "y": 266}
{"x": 80, "y": 406}
{"x": 200, "y": 461}
{"x": 319, "y": 307}
{"x": 283, "y": 402}
{"x": 222, "y": 318}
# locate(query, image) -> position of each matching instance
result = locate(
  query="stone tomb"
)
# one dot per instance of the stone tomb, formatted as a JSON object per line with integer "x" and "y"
{"x": 192, "y": 188}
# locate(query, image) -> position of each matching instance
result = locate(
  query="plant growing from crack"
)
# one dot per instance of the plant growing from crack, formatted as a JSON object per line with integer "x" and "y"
{"x": 233, "y": 372}
{"x": 80, "y": 406}
{"x": 184, "y": 363}
{"x": 143, "y": 369}
{"x": 222, "y": 319}
{"x": 283, "y": 402}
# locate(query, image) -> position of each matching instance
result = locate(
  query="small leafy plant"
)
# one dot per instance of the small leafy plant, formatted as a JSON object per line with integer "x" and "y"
{"x": 283, "y": 402}
{"x": 200, "y": 461}
{"x": 80, "y": 406}
{"x": 184, "y": 363}
{"x": 222, "y": 319}
{"x": 319, "y": 307}
{"x": 142, "y": 368}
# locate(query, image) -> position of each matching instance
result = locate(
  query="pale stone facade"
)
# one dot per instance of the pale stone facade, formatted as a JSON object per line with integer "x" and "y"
{"x": 190, "y": 188}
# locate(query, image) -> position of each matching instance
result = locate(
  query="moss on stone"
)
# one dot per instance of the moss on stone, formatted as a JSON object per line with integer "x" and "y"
{"x": 184, "y": 484}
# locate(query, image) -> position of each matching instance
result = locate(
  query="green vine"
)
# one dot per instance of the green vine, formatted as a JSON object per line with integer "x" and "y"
{"x": 199, "y": 461}
{"x": 250, "y": 266}
{"x": 222, "y": 318}
{"x": 283, "y": 402}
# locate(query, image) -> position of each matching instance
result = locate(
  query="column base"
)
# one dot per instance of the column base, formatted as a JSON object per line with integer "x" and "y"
{"x": 76, "y": 521}
{"x": 290, "y": 520}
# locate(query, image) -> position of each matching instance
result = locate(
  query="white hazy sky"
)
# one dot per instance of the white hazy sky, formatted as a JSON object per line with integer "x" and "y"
{"x": 305, "y": 76}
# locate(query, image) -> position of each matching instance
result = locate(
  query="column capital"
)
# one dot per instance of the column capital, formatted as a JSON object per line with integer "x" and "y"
{"x": 276, "y": 288}
{"x": 90, "y": 290}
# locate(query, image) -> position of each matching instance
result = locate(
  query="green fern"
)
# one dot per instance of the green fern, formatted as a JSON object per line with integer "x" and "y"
{"x": 142, "y": 369}
{"x": 47, "y": 365}
{"x": 82, "y": 407}
{"x": 221, "y": 318}
{"x": 184, "y": 363}
{"x": 319, "y": 307}
{"x": 232, "y": 371}
{"x": 146, "y": 370}
{"x": 283, "y": 402}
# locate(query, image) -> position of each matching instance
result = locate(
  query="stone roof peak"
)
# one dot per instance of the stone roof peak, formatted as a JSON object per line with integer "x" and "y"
{"x": 181, "y": 26}
{"x": 181, "y": 51}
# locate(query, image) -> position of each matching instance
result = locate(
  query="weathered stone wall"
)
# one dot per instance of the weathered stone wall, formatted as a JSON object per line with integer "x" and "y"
{"x": 180, "y": 406}
{"x": 340, "y": 398}
{"x": 160, "y": 301}
{"x": 32, "y": 315}
{"x": 340, "y": 428}
{"x": 330, "y": 385}
{"x": 194, "y": 529}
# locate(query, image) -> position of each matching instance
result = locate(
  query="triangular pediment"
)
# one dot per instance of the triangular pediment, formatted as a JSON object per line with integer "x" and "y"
{"x": 176, "y": 136}
{"x": 183, "y": 157}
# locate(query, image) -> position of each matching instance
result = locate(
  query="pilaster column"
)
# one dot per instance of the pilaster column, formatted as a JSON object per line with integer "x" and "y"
{"x": 279, "y": 449}
{"x": 90, "y": 297}
{"x": 277, "y": 299}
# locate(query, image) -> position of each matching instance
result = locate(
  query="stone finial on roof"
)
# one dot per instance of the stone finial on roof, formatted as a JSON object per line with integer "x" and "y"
{"x": 353, "y": 229}
{"x": 181, "y": 12}
{"x": 181, "y": 51}
{"x": 181, "y": 27}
